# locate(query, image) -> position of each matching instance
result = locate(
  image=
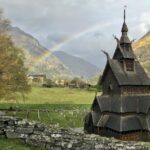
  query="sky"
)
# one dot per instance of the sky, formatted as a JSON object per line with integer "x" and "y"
{"x": 81, "y": 27}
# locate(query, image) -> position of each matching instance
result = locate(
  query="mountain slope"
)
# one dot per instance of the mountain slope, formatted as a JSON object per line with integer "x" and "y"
{"x": 49, "y": 64}
{"x": 142, "y": 50}
{"x": 77, "y": 65}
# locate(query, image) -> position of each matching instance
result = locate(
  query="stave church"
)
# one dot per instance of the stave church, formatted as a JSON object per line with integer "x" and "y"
{"x": 123, "y": 109}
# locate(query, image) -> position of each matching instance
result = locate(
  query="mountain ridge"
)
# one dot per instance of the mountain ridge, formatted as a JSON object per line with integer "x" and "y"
{"x": 77, "y": 65}
{"x": 39, "y": 60}
{"x": 33, "y": 50}
{"x": 142, "y": 50}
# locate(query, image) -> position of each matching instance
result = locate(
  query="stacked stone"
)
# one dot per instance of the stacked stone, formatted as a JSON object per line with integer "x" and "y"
{"x": 55, "y": 138}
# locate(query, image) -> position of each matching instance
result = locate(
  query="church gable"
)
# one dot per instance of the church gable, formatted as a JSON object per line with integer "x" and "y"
{"x": 109, "y": 82}
{"x": 118, "y": 54}
{"x": 124, "y": 52}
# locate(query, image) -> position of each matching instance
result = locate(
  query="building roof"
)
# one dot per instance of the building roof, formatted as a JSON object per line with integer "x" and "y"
{"x": 124, "y": 27}
{"x": 123, "y": 104}
{"x": 137, "y": 77}
{"x": 124, "y": 123}
{"x": 126, "y": 54}
{"x": 124, "y": 38}
{"x": 124, "y": 51}
{"x": 122, "y": 113}
{"x": 124, "y": 45}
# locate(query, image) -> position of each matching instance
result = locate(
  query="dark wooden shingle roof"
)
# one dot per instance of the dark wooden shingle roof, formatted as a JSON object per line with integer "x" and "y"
{"x": 137, "y": 77}
{"x": 127, "y": 52}
{"x": 124, "y": 104}
{"x": 124, "y": 123}
{"x": 122, "y": 113}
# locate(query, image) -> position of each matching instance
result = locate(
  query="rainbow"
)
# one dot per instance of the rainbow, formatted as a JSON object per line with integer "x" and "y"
{"x": 67, "y": 41}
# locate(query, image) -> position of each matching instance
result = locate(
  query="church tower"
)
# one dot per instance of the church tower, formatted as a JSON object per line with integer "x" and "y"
{"x": 123, "y": 109}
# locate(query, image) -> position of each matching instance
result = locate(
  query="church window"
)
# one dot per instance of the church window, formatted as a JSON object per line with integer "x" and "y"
{"x": 129, "y": 65}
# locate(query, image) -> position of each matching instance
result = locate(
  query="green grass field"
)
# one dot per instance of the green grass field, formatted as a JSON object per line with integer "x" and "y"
{"x": 40, "y": 95}
{"x": 64, "y": 115}
{"x": 60, "y": 96}
{"x": 6, "y": 144}
{"x": 67, "y": 108}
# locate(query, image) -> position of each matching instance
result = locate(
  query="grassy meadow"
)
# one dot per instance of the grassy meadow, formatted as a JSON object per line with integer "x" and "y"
{"x": 7, "y": 144}
{"x": 40, "y": 95}
{"x": 59, "y": 96}
{"x": 64, "y": 107}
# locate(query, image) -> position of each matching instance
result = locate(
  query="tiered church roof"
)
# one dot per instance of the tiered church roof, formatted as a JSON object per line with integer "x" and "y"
{"x": 138, "y": 77}
{"x": 124, "y": 106}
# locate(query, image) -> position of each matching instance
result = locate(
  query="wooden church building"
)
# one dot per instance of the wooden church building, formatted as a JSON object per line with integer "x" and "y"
{"x": 123, "y": 109}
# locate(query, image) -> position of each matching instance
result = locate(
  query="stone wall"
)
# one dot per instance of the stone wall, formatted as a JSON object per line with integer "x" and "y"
{"x": 54, "y": 138}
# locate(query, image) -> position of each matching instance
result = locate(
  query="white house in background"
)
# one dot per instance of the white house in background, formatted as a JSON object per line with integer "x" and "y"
{"x": 39, "y": 79}
{"x": 60, "y": 82}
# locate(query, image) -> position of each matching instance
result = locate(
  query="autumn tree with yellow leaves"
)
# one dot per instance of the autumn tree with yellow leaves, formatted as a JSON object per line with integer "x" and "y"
{"x": 13, "y": 74}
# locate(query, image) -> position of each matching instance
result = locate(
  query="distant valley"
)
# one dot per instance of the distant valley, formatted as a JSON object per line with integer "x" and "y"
{"x": 40, "y": 60}
{"x": 63, "y": 65}
{"x": 34, "y": 51}
{"x": 77, "y": 65}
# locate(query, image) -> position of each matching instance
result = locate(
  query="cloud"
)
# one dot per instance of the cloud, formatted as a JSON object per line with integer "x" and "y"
{"x": 145, "y": 22}
{"x": 56, "y": 37}
{"x": 54, "y": 21}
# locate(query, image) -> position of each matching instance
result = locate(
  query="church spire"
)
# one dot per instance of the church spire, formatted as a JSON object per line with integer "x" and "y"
{"x": 124, "y": 15}
{"x": 124, "y": 37}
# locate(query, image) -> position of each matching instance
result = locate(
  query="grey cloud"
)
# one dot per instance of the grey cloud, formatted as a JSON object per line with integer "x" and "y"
{"x": 56, "y": 37}
{"x": 52, "y": 21}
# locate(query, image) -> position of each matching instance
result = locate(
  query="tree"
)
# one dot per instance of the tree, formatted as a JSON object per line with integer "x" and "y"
{"x": 78, "y": 83}
{"x": 49, "y": 83}
{"x": 13, "y": 79}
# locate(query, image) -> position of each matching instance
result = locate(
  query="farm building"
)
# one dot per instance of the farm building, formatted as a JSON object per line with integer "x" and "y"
{"x": 39, "y": 79}
{"x": 123, "y": 109}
